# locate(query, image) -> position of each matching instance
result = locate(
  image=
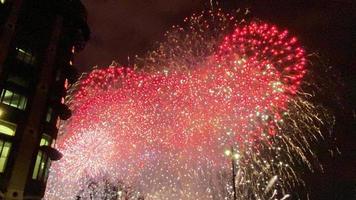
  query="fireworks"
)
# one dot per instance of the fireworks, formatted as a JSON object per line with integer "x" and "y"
{"x": 212, "y": 85}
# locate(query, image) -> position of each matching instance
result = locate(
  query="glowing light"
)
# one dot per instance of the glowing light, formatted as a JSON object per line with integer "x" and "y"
{"x": 161, "y": 128}
{"x": 236, "y": 156}
{"x": 227, "y": 152}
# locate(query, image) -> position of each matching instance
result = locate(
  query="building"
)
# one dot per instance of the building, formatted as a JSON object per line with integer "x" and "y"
{"x": 38, "y": 39}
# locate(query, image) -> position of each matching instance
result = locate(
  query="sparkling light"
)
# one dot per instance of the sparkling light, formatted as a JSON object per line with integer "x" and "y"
{"x": 164, "y": 129}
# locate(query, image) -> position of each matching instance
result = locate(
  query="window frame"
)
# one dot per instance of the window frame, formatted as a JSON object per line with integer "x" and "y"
{"x": 8, "y": 125}
{"x": 21, "y": 100}
{"x": 4, "y": 158}
{"x": 42, "y": 162}
{"x": 6, "y": 139}
{"x": 25, "y": 56}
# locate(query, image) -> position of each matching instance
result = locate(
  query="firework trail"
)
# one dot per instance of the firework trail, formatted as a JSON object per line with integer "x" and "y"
{"x": 214, "y": 83}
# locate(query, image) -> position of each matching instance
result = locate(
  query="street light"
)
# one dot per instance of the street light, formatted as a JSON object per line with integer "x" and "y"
{"x": 233, "y": 155}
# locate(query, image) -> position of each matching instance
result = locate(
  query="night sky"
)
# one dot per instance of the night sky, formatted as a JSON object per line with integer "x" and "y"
{"x": 122, "y": 28}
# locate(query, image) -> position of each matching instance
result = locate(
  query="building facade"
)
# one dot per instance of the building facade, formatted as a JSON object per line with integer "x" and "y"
{"x": 38, "y": 39}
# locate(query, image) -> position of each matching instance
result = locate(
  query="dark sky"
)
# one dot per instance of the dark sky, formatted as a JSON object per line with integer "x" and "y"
{"x": 122, "y": 28}
{"x": 128, "y": 27}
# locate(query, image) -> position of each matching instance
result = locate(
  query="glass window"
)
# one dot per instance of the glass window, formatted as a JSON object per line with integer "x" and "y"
{"x": 46, "y": 140}
{"x": 37, "y": 165}
{"x": 5, "y": 148}
{"x": 40, "y": 170}
{"x": 25, "y": 56}
{"x": 7, "y": 128}
{"x": 22, "y": 103}
{"x": 7, "y": 96}
{"x": 13, "y": 99}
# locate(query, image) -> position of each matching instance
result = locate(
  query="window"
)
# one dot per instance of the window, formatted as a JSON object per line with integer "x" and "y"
{"x": 13, "y": 99}
{"x": 25, "y": 56}
{"x": 49, "y": 114}
{"x": 18, "y": 80}
{"x": 7, "y": 128}
{"x": 46, "y": 140}
{"x": 40, "y": 171}
{"x": 41, "y": 166}
{"x": 5, "y": 148}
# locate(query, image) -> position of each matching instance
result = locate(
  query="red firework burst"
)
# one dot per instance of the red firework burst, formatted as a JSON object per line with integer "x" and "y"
{"x": 184, "y": 118}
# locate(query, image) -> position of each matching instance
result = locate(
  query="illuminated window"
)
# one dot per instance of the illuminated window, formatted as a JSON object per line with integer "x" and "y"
{"x": 49, "y": 114}
{"x": 7, "y": 128}
{"x": 40, "y": 171}
{"x": 5, "y": 148}
{"x": 25, "y": 56}
{"x": 13, "y": 99}
{"x": 46, "y": 140}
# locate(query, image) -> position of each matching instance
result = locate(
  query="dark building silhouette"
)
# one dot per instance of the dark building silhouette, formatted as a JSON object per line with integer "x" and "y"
{"x": 38, "y": 39}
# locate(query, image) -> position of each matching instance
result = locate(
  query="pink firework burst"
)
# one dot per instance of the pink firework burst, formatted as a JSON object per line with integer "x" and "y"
{"x": 163, "y": 131}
